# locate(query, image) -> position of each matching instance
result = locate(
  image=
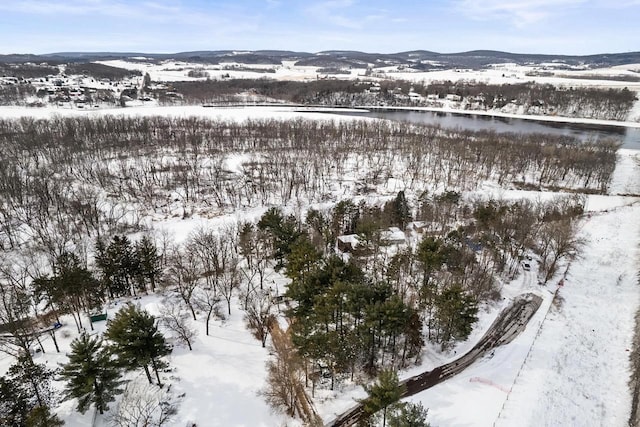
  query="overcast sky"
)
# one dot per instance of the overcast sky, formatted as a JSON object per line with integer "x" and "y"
{"x": 524, "y": 26}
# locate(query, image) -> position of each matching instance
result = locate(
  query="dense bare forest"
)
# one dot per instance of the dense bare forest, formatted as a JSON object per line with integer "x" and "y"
{"x": 81, "y": 170}
{"x": 534, "y": 98}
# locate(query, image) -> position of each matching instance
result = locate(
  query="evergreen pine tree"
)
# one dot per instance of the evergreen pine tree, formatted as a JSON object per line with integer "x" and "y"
{"x": 14, "y": 405}
{"x": 137, "y": 341}
{"x": 456, "y": 312}
{"x": 402, "y": 211}
{"x": 148, "y": 261}
{"x": 385, "y": 392}
{"x": 91, "y": 374}
{"x": 302, "y": 259}
{"x": 75, "y": 287}
{"x": 120, "y": 253}
{"x": 41, "y": 416}
{"x": 117, "y": 264}
{"x": 26, "y": 395}
{"x": 284, "y": 231}
{"x": 34, "y": 379}
{"x": 409, "y": 415}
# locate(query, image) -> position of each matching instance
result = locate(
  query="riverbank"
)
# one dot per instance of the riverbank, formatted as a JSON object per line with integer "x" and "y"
{"x": 493, "y": 113}
{"x": 43, "y": 112}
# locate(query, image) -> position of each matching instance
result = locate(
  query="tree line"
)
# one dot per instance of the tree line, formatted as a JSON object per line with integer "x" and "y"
{"x": 534, "y": 98}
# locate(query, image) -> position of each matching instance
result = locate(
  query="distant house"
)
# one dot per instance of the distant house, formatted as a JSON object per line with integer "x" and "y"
{"x": 393, "y": 236}
{"x": 418, "y": 226}
{"x": 454, "y": 97}
{"x": 347, "y": 243}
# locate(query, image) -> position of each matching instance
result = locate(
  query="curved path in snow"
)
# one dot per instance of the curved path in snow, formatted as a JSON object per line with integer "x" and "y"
{"x": 509, "y": 324}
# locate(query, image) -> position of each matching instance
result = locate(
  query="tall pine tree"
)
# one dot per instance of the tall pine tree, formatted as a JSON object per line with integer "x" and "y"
{"x": 34, "y": 378}
{"x": 91, "y": 374}
{"x": 137, "y": 341}
{"x": 14, "y": 403}
{"x": 148, "y": 261}
{"x": 385, "y": 392}
{"x": 409, "y": 415}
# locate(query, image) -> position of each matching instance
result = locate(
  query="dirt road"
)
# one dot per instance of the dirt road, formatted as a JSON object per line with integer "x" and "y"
{"x": 509, "y": 324}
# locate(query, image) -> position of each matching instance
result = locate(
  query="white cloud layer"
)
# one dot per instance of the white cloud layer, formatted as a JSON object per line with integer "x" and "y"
{"x": 519, "y": 13}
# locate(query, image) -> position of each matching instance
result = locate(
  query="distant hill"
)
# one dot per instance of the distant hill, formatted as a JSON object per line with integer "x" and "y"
{"x": 419, "y": 59}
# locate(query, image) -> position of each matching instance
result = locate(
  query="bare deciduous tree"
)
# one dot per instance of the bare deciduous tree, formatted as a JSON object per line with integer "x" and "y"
{"x": 182, "y": 275}
{"x": 144, "y": 405}
{"x": 258, "y": 314}
{"x": 19, "y": 328}
{"x": 208, "y": 300}
{"x": 558, "y": 241}
{"x": 229, "y": 278}
{"x": 284, "y": 378}
{"x": 176, "y": 320}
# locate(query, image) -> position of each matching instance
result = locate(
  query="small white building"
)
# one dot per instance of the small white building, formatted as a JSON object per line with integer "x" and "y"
{"x": 347, "y": 242}
{"x": 393, "y": 236}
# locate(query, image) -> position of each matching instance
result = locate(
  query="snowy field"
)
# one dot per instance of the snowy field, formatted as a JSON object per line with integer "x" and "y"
{"x": 578, "y": 369}
{"x": 221, "y": 113}
{"x": 571, "y": 365}
{"x": 496, "y": 74}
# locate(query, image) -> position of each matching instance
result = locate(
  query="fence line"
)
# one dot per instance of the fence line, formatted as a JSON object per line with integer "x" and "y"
{"x": 538, "y": 332}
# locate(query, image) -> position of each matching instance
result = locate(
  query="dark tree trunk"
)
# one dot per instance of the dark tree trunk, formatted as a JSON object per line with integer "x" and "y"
{"x": 155, "y": 369}
{"x": 146, "y": 371}
{"x": 55, "y": 342}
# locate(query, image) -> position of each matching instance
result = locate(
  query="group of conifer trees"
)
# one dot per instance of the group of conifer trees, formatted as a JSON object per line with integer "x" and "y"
{"x": 93, "y": 373}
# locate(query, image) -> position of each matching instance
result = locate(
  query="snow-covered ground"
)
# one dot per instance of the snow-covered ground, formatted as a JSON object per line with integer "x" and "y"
{"x": 222, "y": 113}
{"x": 578, "y": 370}
{"x": 514, "y": 73}
{"x": 219, "y": 380}
{"x": 496, "y": 74}
{"x": 626, "y": 177}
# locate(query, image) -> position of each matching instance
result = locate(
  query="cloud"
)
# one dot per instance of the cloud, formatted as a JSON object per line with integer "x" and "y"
{"x": 620, "y": 4}
{"x": 519, "y": 13}
{"x": 332, "y": 12}
{"x": 152, "y": 12}
{"x": 73, "y": 7}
